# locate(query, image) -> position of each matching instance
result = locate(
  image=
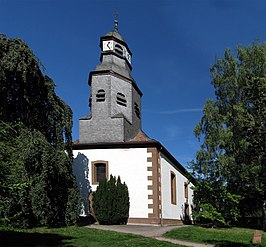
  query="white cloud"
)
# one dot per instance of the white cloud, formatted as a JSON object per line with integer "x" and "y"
{"x": 170, "y": 112}
{"x": 175, "y": 111}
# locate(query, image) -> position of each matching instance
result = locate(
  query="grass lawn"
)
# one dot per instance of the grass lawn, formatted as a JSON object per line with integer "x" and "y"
{"x": 221, "y": 237}
{"x": 73, "y": 236}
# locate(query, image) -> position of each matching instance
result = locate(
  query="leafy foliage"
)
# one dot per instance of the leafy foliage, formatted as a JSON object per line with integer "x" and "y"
{"x": 111, "y": 202}
{"x": 28, "y": 96}
{"x": 37, "y": 186}
{"x": 230, "y": 165}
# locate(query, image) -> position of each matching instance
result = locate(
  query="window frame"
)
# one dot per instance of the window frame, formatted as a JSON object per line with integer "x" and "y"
{"x": 186, "y": 190}
{"x": 137, "y": 110}
{"x": 100, "y": 95}
{"x": 119, "y": 49}
{"x": 173, "y": 188}
{"x": 94, "y": 170}
{"x": 121, "y": 99}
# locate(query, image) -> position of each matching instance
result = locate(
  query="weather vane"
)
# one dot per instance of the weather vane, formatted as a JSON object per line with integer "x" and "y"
{"x": 116, "y": 22}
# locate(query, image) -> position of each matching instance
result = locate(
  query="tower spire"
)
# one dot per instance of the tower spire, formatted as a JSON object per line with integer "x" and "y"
{"x": 116, "y": 23}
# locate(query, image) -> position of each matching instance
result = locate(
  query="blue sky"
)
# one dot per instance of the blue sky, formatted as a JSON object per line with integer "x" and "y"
{"x": 174, "y": 43}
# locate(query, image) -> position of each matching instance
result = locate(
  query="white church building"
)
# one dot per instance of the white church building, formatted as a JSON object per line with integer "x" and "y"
{"x": 111, "y": 141}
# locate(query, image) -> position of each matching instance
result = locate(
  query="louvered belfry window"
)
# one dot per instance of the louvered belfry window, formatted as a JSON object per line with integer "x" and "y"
{"x": 119, "y": 49}
{"x": 137, "y": 111}
{"x": 121, "y": 99}
{"x": 100, "y": 96}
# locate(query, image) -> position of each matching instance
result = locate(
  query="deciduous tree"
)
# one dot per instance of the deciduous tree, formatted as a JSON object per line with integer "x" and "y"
{"x": 230, "y": 165}
{"x": 37, "y": 186}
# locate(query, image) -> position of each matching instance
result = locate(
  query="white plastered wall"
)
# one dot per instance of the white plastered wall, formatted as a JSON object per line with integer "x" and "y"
{"x": 131, "y": 165}
{"x": 169, "y": 210}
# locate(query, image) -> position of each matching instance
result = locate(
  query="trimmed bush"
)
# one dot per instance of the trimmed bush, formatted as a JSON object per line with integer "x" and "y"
{"x": 111, "y": 202}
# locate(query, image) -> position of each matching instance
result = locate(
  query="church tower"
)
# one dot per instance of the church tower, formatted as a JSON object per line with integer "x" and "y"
{"x": 115, "y": 99}
{"x": 111, "y": 142}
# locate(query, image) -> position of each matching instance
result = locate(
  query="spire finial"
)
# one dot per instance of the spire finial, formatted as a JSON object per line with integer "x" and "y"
{"x": 116, "y": 22}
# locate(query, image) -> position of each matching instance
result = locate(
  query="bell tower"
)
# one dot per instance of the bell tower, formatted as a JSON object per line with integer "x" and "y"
{"x": 115, "y": 99}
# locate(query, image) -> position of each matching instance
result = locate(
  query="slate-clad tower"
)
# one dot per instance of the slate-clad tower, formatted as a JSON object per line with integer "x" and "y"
{"x": 111, "y": 142}
{"x": 115, "y": 100}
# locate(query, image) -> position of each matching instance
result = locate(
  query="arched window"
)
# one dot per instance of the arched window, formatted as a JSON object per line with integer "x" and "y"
{"x": 100, "y": 96}
{"x": 173, "y": 188}
{"x": 137, "y": 111}
{"x": 99, "y": 171}
{"x": 121, "y": 99}
{"x": 119, "y": 49}
{"x": 186, "y": 190}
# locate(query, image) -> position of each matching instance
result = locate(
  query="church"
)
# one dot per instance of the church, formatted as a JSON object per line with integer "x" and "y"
{"x": 111, "y": 141}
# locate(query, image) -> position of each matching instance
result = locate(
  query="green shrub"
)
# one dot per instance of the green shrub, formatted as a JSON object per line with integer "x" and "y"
{"x": 209, "y": 214}
{"x": 111, "y": 202}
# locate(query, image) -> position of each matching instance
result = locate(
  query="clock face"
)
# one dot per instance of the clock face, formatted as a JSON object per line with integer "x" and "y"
{"x": 108, "y": 45}
{"x": 127, "y": 55}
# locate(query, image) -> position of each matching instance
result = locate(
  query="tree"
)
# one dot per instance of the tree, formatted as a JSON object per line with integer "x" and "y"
{"x": 37, "y": 186}
{"x": 111, "y": 202}
{"x": 230, "y": 165}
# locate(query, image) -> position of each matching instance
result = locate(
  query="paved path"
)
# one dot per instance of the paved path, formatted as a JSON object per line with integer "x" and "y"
{"x": 148, "y": 231}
